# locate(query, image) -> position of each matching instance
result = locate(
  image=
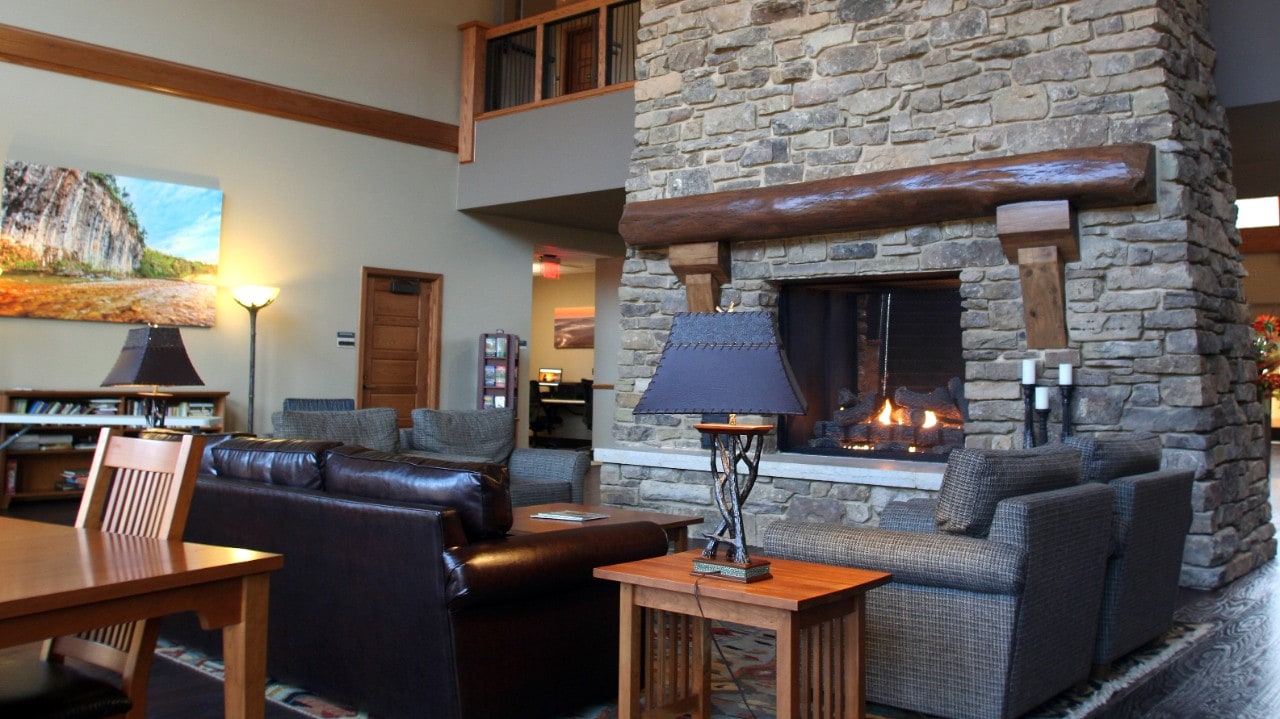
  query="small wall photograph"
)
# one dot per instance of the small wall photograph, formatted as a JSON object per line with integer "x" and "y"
{"x": 84, "y": 245}
{"x": 575, "y": 327}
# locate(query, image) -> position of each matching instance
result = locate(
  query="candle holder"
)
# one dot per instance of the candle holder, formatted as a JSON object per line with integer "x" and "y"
{"x": 1028, "y": 405}
{"x": 1042, "y": 429}
{"x": 1066, "y": 391}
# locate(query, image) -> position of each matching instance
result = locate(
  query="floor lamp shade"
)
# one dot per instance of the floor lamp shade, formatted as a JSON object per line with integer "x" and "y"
{"x": 153, "y": 356}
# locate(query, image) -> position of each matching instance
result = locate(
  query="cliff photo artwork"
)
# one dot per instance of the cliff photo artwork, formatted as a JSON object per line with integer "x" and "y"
{"x": 78, "y": 245}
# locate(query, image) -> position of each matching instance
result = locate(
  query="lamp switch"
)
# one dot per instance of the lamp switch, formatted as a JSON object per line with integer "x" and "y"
{"x": 346, "y": 339}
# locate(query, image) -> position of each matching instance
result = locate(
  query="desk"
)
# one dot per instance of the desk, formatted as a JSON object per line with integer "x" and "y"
{"x": 61, "y": 580}
{"x": 563, "y": 402}
{"x": 816, "y": 610}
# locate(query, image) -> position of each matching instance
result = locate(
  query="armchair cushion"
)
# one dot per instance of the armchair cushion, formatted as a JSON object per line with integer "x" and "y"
{"x": 482, "y": 435}
{"x": 374, "y": 428}
{"x": 1105, "y": 459}
{"x": 975, "y": 480}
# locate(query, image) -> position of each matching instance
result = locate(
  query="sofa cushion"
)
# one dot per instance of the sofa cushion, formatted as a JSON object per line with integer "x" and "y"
{"x": 288, "y": 462}
{"x": 374, "y": 428}
{"x": 1103, "y": 459}
{"x": 478, "y": 492}
{"x": 478, "y": 435}
{"x": 975, "y": 481}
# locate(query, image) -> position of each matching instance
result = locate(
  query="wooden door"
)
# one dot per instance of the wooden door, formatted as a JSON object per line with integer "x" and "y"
{"x": 581, "y": 59}
{"x": 400, "y": 340}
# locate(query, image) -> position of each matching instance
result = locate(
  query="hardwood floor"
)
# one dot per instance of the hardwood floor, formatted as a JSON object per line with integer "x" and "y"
{"x": 1232, "y": 673}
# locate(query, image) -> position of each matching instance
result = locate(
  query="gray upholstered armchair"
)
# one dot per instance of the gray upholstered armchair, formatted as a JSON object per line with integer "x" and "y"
{"x": 1151, "y": 514}
{"x": 997, "y": 584}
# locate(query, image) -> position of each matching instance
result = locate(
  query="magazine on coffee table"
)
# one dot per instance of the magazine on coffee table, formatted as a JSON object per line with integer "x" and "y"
{"x": 569, "y": 515}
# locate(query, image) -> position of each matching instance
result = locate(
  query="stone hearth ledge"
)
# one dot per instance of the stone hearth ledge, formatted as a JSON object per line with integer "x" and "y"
{"x": 812, "y": 467}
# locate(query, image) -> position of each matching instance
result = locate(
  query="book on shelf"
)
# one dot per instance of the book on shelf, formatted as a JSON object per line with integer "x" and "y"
{"x": 11, "y": 477}
{"x": 569, "y": 515}
{"x": 490, "y": 376}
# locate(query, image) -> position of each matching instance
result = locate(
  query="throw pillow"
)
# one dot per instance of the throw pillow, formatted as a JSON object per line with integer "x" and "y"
{"x": 975, "y": 481}
{"x": 478, "y": 435}
{"x": 373, "y": 428}
{"x": 1103, "y": 459}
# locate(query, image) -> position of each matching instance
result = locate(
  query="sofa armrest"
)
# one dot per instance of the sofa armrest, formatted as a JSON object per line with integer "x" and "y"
{"x": 939, "y": 560}
{"x": 528, "y": 565}
{"x": 528, "y": 464}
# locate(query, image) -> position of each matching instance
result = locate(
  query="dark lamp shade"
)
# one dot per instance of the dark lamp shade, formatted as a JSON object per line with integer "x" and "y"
{"x": 153, "y": 356}
{"x": 722, "y": 362}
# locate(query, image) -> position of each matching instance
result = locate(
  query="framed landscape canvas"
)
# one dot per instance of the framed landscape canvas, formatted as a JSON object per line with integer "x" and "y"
{"x": 575, "y": 327}
{"x": 81, "y": 245}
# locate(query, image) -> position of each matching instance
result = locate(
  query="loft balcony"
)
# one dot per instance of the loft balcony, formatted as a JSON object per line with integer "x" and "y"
{"x": 546, "y": 121}
{"x": 545, "y": 59}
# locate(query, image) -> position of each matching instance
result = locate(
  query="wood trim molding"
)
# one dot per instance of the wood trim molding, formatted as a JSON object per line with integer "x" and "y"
{"x": 1089, "y": 177}
{"x": 95, "y": 62}
{"x": 1259, "y": 239}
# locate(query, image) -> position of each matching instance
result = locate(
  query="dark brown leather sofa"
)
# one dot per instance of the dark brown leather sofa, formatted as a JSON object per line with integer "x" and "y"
{"x": 401, "y": 594}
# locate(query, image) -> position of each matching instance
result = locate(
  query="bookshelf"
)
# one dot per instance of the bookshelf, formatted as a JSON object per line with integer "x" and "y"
{"x": 499, "y": 370}
{"x": 34, "y": 466}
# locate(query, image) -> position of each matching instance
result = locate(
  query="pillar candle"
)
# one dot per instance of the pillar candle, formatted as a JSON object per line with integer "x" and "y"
{"x": 1064, "y": 374}
{"x": 1028, "y": 371}
{"x": 1042, "y": 398}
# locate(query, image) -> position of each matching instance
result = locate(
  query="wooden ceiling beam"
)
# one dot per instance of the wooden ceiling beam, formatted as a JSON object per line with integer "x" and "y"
{"x": 104, "y": 64}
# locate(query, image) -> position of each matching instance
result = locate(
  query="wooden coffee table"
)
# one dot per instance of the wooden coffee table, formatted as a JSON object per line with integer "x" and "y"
{"x": 816, "y": 610}
{"x": 675, "y": 525}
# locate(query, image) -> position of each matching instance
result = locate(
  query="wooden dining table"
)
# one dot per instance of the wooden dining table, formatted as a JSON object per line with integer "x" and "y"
{"x": 57, "y": 580}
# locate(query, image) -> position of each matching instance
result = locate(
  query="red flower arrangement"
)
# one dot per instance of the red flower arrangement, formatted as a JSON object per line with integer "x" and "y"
{"x": 1266, "y": 347}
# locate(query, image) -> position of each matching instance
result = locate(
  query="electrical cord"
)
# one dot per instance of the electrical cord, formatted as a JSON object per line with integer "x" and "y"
{"x": 733, "y": 676}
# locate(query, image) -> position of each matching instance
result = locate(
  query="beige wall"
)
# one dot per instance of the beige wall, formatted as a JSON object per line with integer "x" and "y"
{"x": 576, "y": 290}
{"x": 305, "y": 207}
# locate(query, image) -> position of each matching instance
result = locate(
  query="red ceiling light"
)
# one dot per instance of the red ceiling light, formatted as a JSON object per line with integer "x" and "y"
{"x": 550, "y": 267}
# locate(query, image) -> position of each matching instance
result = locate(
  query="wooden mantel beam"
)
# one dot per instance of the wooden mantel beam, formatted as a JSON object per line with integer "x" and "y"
{"x": 1089, "y": 177}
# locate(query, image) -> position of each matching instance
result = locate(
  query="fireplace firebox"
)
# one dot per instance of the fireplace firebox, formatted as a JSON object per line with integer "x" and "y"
{"x": 881, "y": 365}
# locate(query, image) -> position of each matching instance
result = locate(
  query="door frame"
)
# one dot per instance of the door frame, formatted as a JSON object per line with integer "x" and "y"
{"x": 432, "y": 286}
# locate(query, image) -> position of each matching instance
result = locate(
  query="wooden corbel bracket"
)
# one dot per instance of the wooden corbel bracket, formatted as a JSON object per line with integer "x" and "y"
{"x": 1040, "y": 237}
{"x": 703, "y": 267}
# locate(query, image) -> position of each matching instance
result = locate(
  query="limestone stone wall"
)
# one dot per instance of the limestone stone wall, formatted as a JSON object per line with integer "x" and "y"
{"x": 745, "y": 94}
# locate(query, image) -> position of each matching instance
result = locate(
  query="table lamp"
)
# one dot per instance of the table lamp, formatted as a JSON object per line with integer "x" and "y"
{"x": 153, "y": 356}
{"x": 726, "y": 363}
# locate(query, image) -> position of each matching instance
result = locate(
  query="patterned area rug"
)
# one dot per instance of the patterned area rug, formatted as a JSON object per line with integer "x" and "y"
{"x": 750, "y": 652}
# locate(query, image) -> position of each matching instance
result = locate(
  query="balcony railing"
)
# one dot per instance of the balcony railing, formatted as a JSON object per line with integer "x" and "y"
{"x": 545, "y": 59}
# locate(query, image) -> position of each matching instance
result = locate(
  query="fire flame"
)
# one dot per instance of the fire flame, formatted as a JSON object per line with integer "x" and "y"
{"x": 886, "y": 414}
{"x": 930, "y": 419}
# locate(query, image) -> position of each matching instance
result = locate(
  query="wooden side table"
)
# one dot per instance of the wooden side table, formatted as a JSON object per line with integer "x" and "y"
{"x": 816, "y": 610}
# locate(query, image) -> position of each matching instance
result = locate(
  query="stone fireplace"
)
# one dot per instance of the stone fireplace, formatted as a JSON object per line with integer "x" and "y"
{"x": 920, "y": 114}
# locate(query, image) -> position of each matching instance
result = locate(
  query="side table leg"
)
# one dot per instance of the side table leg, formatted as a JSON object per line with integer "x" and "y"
{"x": 853, "y": 626}
{"x": 630, "y": 663}
{"x": 788, "y": 670}
{"x": 244, "y": 650}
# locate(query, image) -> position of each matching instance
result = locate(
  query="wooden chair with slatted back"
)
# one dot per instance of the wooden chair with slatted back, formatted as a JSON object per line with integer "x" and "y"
{"x": 136, "y": 487}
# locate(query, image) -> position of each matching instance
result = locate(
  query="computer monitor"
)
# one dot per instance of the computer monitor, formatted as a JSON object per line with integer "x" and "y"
{"x": 549, "y": 376}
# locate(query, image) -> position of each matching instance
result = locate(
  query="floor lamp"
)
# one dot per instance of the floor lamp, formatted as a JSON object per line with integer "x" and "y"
{"x": 254, "y": 298}
{"x": 726, "y": 363}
